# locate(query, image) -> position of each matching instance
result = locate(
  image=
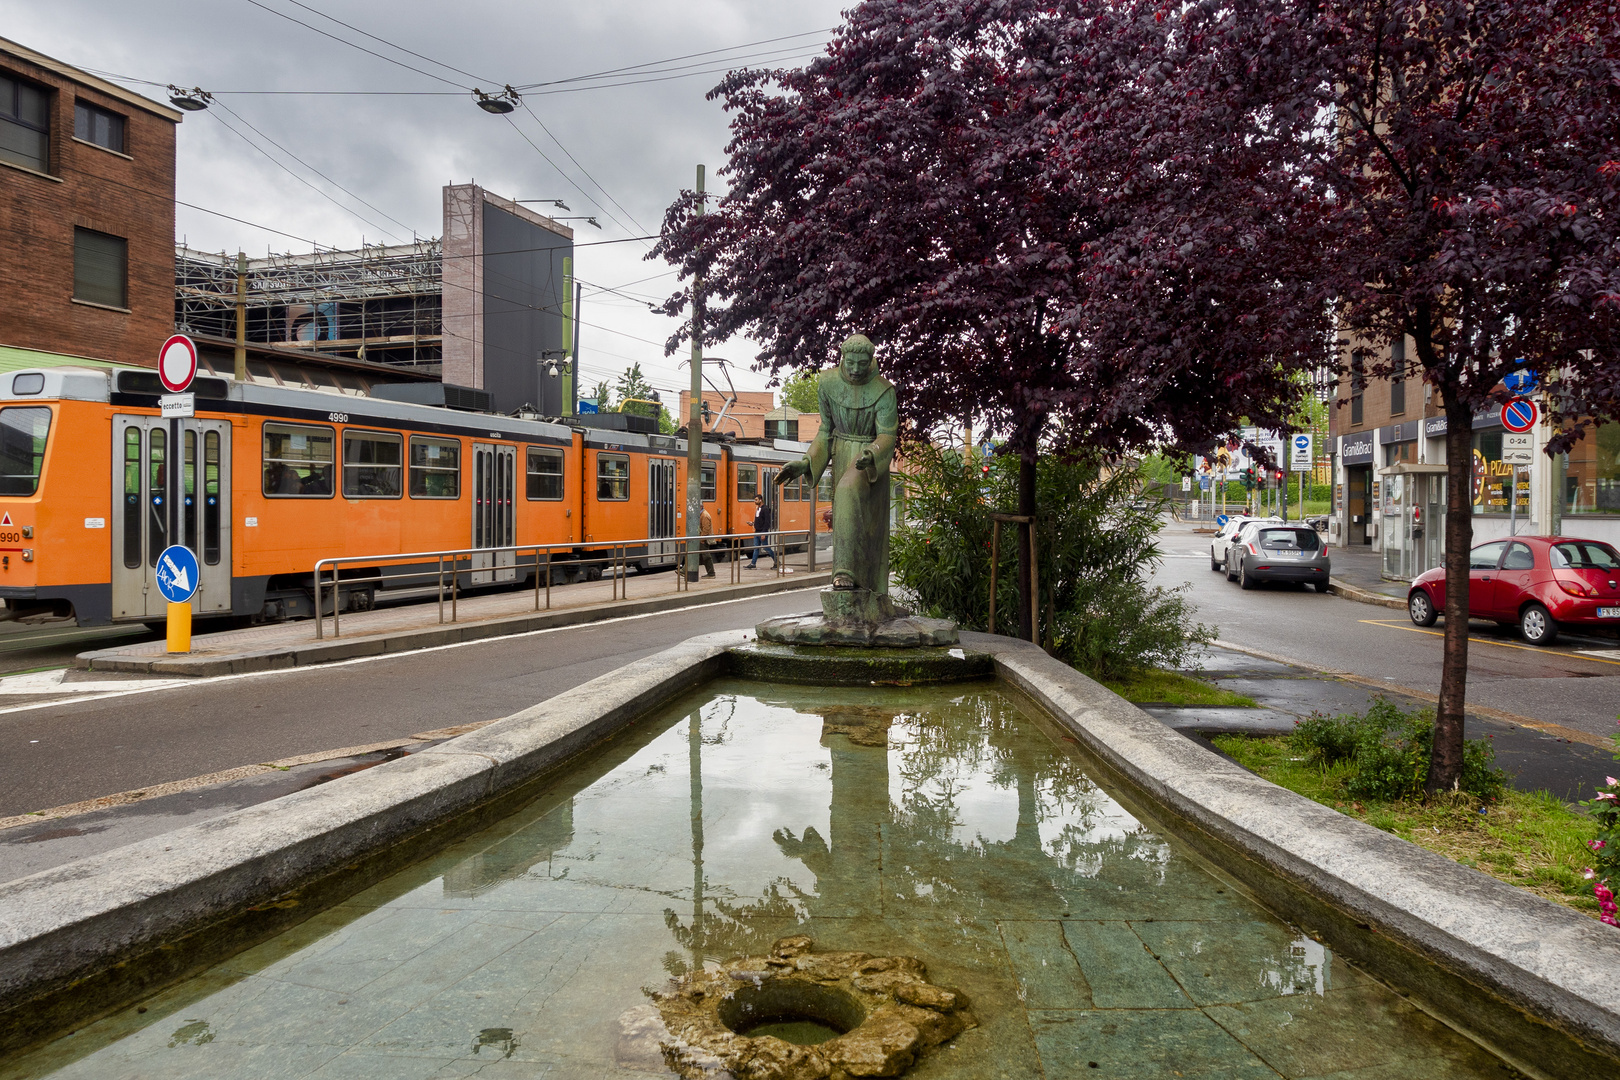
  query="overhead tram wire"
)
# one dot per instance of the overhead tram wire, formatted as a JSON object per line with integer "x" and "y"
{"x": 283, "y": 167}
{"x": 353, "y": 45}
{"x": 390, "y": 44}
{"x": 575, "y": 184}
{"x": 639, "y": 226}
{"x": 670, "y": 60}
{"x": 316, "y": 171}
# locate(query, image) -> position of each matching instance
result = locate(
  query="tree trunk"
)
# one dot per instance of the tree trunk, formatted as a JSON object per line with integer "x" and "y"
{"x": 1027, "y": 604}
{"x": 1445, "y": 761}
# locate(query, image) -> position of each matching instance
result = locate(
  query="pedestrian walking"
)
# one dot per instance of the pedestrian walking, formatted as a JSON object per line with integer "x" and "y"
{"x": 705, "y": 556}
{"x": 762, "y": 533}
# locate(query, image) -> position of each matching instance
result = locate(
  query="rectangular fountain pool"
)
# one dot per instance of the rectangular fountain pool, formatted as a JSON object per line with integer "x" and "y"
{"x": 942, "y": 823}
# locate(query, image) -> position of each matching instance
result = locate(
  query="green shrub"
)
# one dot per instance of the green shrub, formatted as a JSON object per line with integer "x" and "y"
{"x": 1389, "y": 748}
{"x": 1096, "y": 541}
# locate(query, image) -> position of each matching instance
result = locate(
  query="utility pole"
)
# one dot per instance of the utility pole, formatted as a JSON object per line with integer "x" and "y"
{"x": 694, "y": 421}
{"x": 241, "y": 317}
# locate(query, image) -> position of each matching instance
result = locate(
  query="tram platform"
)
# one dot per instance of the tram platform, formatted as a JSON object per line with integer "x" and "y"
{"x": 406, "y": 626}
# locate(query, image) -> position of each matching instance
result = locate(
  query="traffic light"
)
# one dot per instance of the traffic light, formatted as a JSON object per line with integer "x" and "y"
{"x": 1247, "y": 477}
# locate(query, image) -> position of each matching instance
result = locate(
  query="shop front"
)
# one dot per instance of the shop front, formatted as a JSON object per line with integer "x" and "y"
{"x": 1358, "y": 495}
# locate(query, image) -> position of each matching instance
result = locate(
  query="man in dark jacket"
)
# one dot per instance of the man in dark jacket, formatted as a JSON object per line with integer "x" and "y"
{"x": 762, "y": 533}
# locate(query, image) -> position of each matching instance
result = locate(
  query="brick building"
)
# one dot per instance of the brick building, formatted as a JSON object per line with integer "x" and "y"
{"x": 86, "y": 212}
{"x": 753, "y": 415}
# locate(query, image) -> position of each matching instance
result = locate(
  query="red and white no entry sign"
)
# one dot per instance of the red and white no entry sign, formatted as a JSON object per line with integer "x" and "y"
{"x": 177, "y": 363}
{"x": 1519, "y": 416}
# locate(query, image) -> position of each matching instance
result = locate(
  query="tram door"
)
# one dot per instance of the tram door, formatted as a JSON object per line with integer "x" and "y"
{"x": 661, "y": 508}
{"x": 494, "y": 480}
{"x": 141, "y": 512}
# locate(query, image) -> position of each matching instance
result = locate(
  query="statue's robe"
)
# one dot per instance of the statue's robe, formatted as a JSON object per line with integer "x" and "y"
{"x": 856, "y": 418}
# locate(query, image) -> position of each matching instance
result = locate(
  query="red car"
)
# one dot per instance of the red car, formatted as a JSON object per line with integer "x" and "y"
{"x": 1537, "y": 582}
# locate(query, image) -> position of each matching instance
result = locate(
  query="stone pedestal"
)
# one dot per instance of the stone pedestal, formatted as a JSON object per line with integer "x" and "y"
{"x": 858, "y": 617}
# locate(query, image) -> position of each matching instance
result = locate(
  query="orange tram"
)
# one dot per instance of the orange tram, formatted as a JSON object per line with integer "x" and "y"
{"x": 277, "y": 478}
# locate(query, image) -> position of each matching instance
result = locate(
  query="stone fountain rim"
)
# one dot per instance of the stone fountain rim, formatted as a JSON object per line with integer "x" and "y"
{"x": 76, "y": 940}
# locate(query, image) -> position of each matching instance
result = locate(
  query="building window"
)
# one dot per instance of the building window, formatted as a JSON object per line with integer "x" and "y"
{"x": 435, "y": 468}
{"x": 298, "y": 461}
{"x": 612, "y": 478}
{"x": 100, "y": 268}
{"x": 545, "y": 474}
{"x": 1358, "y": 383}
{"x": 747, "y": 483}
{"x": 1493, "y": 478}
{"x": 25, "y": 124}
{"x": 706, "y": 483}
{"x": 1592, "y": 473}
{"x": 1397, "y": 377}
{"x": 98, "y": 126}
{"x": 371, "y": 465}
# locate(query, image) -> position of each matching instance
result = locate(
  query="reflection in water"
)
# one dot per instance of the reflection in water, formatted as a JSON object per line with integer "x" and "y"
{"x": 932, "y": 822}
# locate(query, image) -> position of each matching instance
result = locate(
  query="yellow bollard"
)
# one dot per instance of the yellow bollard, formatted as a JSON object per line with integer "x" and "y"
{"x": 179, "y": 628}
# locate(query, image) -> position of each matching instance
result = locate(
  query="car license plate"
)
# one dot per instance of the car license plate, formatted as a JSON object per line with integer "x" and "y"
{"x": 1609, "y": 612}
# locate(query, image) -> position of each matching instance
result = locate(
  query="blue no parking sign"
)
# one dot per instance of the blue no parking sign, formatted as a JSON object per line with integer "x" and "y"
{"x": 177, "y": 574}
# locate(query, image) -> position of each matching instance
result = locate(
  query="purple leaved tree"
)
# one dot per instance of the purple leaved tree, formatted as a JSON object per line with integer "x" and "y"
{"x": 981, "y": 189}
{"x": 1468, "y": 156}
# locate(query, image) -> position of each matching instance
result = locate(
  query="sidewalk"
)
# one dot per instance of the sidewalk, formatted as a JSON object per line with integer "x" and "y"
{"x": 1357, "y": 575}
{"x": 406, "y": 626}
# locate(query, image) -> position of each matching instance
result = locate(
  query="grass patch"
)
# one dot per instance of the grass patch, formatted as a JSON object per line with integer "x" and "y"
{"x": 1170, "y": 688}
{"x": 1531, "y": 840}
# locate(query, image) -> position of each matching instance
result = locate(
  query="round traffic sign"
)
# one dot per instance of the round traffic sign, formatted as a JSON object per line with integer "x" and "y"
{"x": 177, "y": 363}
{"x": 1522, "y": 381}
{"x": 177, "y": 574}
{"x": 1519, "y": 416}
{"x": 1302, "y": 442}
{"x": 1221, "y": 519}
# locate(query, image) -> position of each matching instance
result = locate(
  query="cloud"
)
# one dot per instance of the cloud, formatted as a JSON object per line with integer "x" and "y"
{"x": 395, "y": 151}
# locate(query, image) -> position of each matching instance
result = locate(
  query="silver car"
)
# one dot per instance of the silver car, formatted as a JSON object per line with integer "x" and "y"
{"x": 1224, "y": 537}
{"x": 1270, "y": 551}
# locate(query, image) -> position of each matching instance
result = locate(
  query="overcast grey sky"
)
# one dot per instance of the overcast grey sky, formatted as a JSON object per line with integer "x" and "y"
{"x": 641, "y": 141}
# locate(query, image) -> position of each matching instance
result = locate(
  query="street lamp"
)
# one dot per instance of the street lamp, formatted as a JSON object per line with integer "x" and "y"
{"x": 194, "y": 100}
{"x": 558, "y": 203}
{"x": 591, "y": 220}
{"x": 500, "y": 102}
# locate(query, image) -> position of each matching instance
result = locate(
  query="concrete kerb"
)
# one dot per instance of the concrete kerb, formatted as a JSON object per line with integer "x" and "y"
{"x": 1536, "y": 982}
{"x": 1363, "y": 596}
{"x": 305, "y": 654}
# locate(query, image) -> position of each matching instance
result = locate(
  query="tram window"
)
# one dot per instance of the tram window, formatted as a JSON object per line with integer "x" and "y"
{"x": 545, "y": 473}
{"x": 132, "y": 497}
{"x": 747, "y": 483}
{"x": 298, "y": 461}
{"x": 210, "y": 507}
{"x": 824, "y": 490}
{"x": 157, "y": 491}
{"x": 371, "y": 465}
{"x": 23, "y": 433}
{"x": 612, "y": 478}
{"x": 27, "y": 384}
{"x": 435, "y": 468}
{"x": 706, "y": 482}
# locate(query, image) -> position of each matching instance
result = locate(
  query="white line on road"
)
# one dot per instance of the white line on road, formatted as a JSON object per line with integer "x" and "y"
{"x": 155, "y": 687}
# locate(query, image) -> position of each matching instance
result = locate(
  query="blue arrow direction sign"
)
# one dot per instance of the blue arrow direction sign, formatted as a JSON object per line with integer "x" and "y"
{"x": 177, "y": 574}
{"x": 1522, "y": 381}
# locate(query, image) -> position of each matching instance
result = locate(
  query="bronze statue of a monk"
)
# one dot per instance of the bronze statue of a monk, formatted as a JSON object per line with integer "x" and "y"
{"x": 859, "y": 424}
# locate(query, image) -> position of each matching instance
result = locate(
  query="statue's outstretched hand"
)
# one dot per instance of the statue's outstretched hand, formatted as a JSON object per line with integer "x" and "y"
{"x": 867, "y": 464}
{"x": 792, "y": 471}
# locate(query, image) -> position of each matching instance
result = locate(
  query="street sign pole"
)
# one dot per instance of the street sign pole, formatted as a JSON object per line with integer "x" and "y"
{"x": 177, "y": 367}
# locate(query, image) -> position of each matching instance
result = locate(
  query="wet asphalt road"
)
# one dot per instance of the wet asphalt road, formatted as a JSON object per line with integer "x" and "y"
{"x": 76, "y": 750}
{"x": 1576, "y": 683}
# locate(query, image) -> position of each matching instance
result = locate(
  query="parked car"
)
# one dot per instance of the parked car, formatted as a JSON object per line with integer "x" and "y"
{"x": 1223, "y": 538}
{"x": 1273, "y": 551}
{"x": 1539, "y": 583}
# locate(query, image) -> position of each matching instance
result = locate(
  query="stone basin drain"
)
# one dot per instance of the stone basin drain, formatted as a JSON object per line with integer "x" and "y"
{"x": 794, "y": 1015}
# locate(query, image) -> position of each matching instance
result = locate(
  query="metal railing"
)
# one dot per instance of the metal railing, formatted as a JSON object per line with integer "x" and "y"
{"x": 614, "y": 558}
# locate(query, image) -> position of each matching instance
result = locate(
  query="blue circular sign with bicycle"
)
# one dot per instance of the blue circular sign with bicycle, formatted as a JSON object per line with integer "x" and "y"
{"x": 177, "y": 574}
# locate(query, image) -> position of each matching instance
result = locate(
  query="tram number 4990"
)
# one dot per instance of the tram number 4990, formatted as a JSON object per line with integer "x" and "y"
{"x": 10, "y": 537}
{"x": 338, "y": 417}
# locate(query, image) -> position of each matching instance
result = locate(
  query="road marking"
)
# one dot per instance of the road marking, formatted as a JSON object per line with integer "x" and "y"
{"x": 1542, "y": 649}
{"x": 149, "y": 688}
{"x": 50, "y": 682}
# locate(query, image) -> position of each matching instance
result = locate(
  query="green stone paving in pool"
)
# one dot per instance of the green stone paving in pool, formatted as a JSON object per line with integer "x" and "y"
{"x": 938, "y": 823}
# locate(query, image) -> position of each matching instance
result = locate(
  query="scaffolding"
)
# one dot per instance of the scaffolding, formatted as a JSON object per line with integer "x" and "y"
{"x": 382, "y": 303}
